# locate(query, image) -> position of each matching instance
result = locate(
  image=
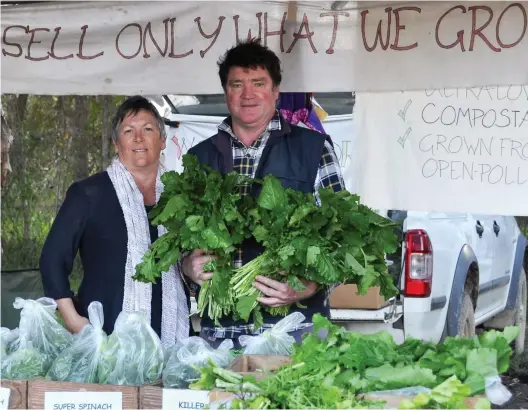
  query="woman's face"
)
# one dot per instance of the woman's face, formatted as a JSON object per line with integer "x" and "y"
{"x": 140, "y": 143}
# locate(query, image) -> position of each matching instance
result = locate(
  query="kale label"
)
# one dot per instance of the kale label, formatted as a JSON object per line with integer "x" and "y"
{"x": 185, "y": 399}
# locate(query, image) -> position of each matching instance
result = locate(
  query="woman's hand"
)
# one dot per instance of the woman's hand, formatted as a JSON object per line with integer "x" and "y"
{"x": 193, "y": 266}
{"x": 72, "y": 320}
{"x": 280, "y": 294}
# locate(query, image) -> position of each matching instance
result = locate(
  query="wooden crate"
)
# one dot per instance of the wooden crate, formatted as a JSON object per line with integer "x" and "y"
{"x": 258, "y": 365}
{"x": 38, "y": 387}
{"x": 18, "y": 395}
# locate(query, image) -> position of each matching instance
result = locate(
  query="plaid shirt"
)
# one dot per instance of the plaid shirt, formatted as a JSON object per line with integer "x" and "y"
{"x": 245, "y": 162}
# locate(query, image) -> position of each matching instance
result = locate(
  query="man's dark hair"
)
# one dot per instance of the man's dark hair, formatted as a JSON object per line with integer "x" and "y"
{"x": 250, "y": 54}
{"x": 131, "y": 106}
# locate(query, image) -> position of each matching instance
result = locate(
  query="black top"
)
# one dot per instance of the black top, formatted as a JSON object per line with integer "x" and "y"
{"x": 91, "y": 221}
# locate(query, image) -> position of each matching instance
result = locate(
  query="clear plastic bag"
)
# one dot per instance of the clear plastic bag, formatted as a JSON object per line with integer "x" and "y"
{"x": 80, "y": 361}
{"x": 133, "y": 355}
{"x": 275, "y": 341}
{"x": 189, "y": 354}
{"x": 25, "y": 362}
{"x": 7, "y": 337}
{"x": 40, "y": 329}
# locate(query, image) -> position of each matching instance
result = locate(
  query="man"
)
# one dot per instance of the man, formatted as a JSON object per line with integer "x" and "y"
{"x": 255, "y": 141}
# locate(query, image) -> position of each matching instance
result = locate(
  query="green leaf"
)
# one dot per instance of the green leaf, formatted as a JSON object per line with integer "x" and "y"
{"x": 176, "y": 206}
{"x": 311, "y": 255}
{"x": 301, "y": 213}
{"x": 286, "y": 252}
{"x": 295, "y": 283}
{"x": 146, "y": 271}
{"x": 352, "y": 262}
{"x": 245, "y": 305}
{"x": 195, "y": 223}
{"x": 260, "y": 233}
{"x": 272, "y": 197}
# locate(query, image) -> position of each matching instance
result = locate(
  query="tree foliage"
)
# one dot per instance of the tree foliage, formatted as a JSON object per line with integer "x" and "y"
{"x": 57, "y": 140}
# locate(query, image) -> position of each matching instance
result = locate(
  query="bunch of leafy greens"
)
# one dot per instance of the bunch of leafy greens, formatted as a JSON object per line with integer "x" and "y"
{"x": 349, "y": 363}
{"x": 340, "y": 241}
{"x": 201, "y": 209}
{"x": 280, "y": 391}
{"x": 451, "y": 394}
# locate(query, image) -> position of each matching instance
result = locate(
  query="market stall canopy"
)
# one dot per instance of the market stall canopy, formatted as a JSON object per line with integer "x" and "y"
{"x": 125, "y": 48}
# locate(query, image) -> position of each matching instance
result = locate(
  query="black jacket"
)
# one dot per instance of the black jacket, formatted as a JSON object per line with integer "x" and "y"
{"x": 91, "y": 221}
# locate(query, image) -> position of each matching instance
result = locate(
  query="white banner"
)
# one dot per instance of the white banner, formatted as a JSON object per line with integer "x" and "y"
{"x": 448, "y": 150}
{"x": 194, "y": 128}
{"x": 126, "y": 48}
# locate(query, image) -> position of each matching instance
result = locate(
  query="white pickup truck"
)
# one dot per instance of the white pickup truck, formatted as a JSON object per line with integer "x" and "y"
{"x": 455, "y": 272}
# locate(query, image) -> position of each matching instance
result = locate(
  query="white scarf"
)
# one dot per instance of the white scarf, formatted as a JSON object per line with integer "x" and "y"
{"x": 138, "y": 295}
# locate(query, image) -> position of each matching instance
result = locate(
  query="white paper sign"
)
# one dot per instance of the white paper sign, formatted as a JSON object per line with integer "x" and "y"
{"x": 4, "y": 398}
{"x": 454, "y": 150}
{"x": 185, "y": 399}
{"x": 83, "y": 401}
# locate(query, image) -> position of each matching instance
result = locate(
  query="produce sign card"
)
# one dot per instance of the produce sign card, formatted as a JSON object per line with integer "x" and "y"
{"x": 81, "y": 400}
{"x": 185, "y": 399}
{"x": 4, "y": 398}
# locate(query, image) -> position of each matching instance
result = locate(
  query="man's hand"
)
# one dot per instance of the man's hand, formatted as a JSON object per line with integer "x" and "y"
{"x": 280, "y": 294}
{"x": 193, "y": 266}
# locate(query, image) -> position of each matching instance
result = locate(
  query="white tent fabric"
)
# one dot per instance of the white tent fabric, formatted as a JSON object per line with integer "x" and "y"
{"x": 124, "y": 48}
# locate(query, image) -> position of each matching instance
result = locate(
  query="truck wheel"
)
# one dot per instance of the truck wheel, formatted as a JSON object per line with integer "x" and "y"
{"x": 466, "y": 321}
{"x": 520, "y": 314}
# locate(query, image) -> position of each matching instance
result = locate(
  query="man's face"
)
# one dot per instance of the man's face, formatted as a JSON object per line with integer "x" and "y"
{"x": 140, "y": 144}
{"x": 250, "y": 96}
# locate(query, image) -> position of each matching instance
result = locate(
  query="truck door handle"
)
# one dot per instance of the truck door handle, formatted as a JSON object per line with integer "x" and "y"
{"x": 496, "y": 228}
{"x": 480, "y": 229}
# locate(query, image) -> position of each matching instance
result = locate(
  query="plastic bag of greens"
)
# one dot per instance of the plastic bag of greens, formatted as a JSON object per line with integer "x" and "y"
{"x": 189, "y": 354}
{"x": 275, "y": 341}
{"x": 7, "y": 337}
{"x": 133, "y": 355}
{"x": 25, "y": 362}
{"x": 39, "y": 325}
{"x": 80, "y": 361}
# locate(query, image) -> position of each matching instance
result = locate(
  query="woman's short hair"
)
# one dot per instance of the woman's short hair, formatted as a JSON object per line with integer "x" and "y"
{"x": 250, "y": 54}
{"x": 131, "y": 106}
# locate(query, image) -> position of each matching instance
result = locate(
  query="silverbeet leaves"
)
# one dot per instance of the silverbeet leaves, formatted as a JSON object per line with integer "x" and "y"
{"x": 340, "y": 241}
{"x": 201, "y": 209}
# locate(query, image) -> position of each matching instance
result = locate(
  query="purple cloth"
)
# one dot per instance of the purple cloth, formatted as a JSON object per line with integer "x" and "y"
{"x": 297, "y": 107}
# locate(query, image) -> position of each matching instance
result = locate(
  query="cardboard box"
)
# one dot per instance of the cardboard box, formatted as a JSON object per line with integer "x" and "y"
{"x": 18, "y": 394}
{"x": 37, "y": 389}
{"x": 346, "y": 297}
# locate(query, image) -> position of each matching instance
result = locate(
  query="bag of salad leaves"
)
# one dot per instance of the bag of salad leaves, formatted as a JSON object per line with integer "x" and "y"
{"x": 39, "y": 331}
{"x": 133, "y": 355}
{"x": 79, "y": 362}
{"x": 188, "y": 355}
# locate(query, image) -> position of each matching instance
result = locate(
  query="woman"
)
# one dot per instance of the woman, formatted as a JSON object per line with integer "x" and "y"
{"x": 104, "y": 217}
